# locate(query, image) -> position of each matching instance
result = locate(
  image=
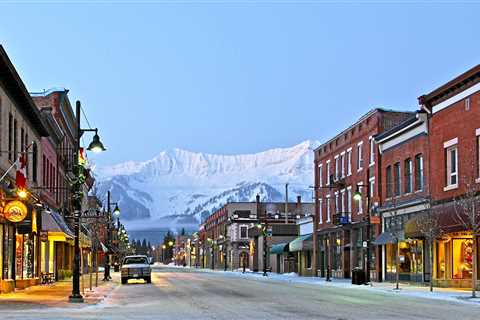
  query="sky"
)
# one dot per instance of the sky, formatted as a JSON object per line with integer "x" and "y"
{"x": 234, "y": 77}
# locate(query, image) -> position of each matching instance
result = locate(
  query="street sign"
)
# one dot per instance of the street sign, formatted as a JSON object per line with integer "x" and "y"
{"x": 364, "y": 244}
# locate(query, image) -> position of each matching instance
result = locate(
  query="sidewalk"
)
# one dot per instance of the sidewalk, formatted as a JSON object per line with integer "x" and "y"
{"x": 406, "y": 289}
{"x": 56, "y": 294}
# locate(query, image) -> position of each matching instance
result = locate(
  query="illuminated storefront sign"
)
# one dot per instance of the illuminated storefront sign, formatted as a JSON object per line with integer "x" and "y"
{"x": 15, "y": 211}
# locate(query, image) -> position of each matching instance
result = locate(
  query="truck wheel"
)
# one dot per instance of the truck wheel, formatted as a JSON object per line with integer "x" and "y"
{"x": 148, "y": 279}
{"x": 124, "y": 280}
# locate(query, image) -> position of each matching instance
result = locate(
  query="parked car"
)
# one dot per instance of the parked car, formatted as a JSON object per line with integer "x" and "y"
{"x": 136, "y": 267}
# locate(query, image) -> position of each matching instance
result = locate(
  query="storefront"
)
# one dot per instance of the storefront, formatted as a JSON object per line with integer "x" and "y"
{"x": 410, "y": 260}
{"x": 453, "y": 257}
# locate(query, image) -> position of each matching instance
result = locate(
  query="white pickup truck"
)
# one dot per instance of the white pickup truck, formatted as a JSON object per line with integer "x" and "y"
{"x": 136, "y": 267}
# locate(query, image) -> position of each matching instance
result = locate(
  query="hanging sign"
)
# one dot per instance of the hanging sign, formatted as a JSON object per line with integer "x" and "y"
{"x": 15, "y": 211}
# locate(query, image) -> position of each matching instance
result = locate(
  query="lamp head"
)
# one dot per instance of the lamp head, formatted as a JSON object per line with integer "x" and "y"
{"x": 96, "y": 145}
{"x": 357, "y": 196}
{"x": 116, "y": 211}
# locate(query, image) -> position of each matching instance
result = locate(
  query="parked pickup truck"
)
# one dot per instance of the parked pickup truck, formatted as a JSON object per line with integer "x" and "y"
{"x": 136, "y": 267}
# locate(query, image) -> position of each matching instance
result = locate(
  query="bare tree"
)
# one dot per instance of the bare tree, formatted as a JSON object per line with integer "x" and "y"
{"x": 428, "y": 225}
{"x": 467, "y": 213}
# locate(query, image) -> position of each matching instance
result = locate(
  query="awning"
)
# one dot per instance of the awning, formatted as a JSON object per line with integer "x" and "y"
{"x": 384, "y": 238}
{"x": 53, "y": 223}
{"x": 302, "y": 243}
{"x": 279, "y": 248}
{"x": 444, "y": 217}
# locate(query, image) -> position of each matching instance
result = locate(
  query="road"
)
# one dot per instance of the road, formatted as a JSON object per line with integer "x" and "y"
{"x": 188, "y": 294}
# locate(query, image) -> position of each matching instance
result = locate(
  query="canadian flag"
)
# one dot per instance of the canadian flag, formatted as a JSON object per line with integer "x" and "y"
{"x": 21, "y": 176}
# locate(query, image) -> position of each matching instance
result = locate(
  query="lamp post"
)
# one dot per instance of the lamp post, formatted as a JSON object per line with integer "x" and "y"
{"x": 263, "y": 227}
{"x": 116, "y": 212}
{"x": 358, "y": 197}
{"x": 95, "y": 146}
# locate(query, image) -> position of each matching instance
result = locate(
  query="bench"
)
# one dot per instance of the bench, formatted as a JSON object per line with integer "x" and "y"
{"x": 47, "y": 277}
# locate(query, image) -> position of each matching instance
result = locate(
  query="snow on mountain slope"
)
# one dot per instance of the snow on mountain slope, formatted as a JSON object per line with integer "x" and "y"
{"x": 179, "y": 185}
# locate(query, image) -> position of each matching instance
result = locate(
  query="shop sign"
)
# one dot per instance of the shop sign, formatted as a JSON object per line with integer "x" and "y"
{"x": 44, "y": 236}
{"x": 364, "y": 244}
{"x": 15, "y": 211}
{"x": 375, "y": 220}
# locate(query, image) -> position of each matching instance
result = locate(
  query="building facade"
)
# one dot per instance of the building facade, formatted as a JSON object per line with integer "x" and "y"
{"x": 346, "y": 164}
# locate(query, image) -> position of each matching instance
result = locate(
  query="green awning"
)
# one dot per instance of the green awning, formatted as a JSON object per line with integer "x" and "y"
{"x": 279, "y": 248}
{"x": 302, "y": 243}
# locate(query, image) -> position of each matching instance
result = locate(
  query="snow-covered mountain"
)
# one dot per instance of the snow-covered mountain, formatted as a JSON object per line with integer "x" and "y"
{"x": 177, "y": 187}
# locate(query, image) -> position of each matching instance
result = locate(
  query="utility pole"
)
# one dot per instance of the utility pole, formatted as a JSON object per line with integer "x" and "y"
{"x": 286, "y": 203}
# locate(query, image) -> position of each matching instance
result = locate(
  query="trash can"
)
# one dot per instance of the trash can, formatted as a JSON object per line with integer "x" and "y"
{"x": 358, "y": 276}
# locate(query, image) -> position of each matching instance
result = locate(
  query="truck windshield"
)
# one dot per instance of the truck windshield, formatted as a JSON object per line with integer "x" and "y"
{"x": 135, "y": 260}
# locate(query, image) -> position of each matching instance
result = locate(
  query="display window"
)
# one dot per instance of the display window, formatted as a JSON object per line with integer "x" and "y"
{"x": 462, "y": 267}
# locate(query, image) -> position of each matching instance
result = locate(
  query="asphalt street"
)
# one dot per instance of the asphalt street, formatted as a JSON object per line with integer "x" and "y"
{"x": 188, "y": 294}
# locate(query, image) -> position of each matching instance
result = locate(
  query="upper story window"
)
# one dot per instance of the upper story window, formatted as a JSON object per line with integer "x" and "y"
{"x": 360, "y": 156}
{"x": 342, "y": 202}
{"x": 349, "y": 161}
{"x": 342, "y": 164}
{"x": 371, "y": 182}
{"x": 372, "y": 151}
{"x": 349, "y": 201}
{"x": 408, "y": 175}
{"x": 327, "y": 207}
{"x": 389, "y": 181}
{"x": 11, "y": 156}
{"x": 337, "y": 171}
{"x": 320, "y": 209}
{"x": 360, "y": 203}
{"x": 337, "y": 208}
{"x": 328, "y": 173}
{"x": 451, "y": 156}
{"x": 398, "y": 178}
{"x": 320, "y": 175}
{"x": 467, "y": 104}
{"x": 419, "y": 172}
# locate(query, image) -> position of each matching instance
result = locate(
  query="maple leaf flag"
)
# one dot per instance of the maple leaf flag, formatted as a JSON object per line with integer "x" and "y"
{"x": 21, "y": 176}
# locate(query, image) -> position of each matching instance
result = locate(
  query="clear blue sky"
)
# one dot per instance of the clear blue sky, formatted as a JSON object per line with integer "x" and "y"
{"x": 233, "y": 77}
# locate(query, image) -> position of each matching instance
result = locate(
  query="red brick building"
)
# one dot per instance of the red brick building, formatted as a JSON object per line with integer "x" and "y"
{"x": 403, "y": 195}
{"x": 345, "y": 164}
{"x": 454, "y": 127}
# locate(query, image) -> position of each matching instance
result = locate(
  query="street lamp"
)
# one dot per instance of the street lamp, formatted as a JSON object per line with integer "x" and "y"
{"x": 357, "y": 196}
{"x": 95, "y": 146}
{"x": 116, "y": 213}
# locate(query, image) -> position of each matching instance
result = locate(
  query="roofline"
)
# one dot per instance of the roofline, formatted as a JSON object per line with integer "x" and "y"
{"x": 33, "y": 114}
{"x": 361, "y": 119}
{"x": 47, "y": 92}
{"x": 444, "y": 91}
{"x": 400, "y": 128}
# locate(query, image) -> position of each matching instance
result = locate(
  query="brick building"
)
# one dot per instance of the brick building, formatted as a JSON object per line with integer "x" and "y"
{"x": 404, "y": 196}
{"x": 454, "y": 126}
{"x": 346, "y": 164}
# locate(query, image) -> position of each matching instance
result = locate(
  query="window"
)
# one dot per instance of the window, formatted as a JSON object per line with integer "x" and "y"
{"x": 320, "y": 175}
{"x": 452, "y": 166}
{"x": 10, "y": 137}
{"x": 26, "y": 145}
{"x": 308, "y": 259}
{"x": 327, "y": 208}
{"x": 360, "y": 203}
{"x": 418, "y": 172}
{"x": 372, "y": 186}
{"x": 359, "y": 156}
{"x": 372, "y": 151}
{"x": 328, "y": 172}
{"x": 349, "y": 162}
{"x": 320, "y": 209}
{"x": 342, "y": 164}
{"x": 337, "y": 209}
{"x": 337, "y": 172}
{"x": 389, "y": 181}
{"x": 408, "y": 176}
{"x": 398, "y": 178}
{"x": 342, "y": 201}
{"x": 349, "y": 201}
{"x": 15, "y": 141}
{"x": 467, "y": 104}
{"x": 34, "y": 162}
{"x": 243, "y": 232}
{"x": 44, "y": 171}
{"x": 462, "y": 258}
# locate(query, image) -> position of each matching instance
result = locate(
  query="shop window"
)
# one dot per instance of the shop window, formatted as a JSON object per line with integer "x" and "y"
{"x": 462, "y": 258}
{"x": 441, "y": 260}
